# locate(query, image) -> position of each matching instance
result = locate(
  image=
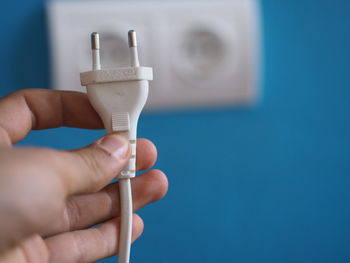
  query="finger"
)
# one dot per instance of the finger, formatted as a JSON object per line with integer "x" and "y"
{"x": 35, "y": 109}
{"x": 146, "y": 157}
{"x": 32, "y": 249}
{"x": 91, "y": 244}
{"x": 146, "y": 153}
{"x": 85, "y": 171}
{"x": 88, "y": 210}
{"x": 95, "y": 165}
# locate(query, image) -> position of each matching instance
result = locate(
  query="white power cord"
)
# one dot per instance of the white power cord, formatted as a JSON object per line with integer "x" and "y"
{"x": 119, "y": 95}
{"x": 125, "y": 220}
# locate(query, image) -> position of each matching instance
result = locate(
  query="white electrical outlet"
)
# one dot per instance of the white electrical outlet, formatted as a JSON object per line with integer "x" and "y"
{"x": 203, "y": 52}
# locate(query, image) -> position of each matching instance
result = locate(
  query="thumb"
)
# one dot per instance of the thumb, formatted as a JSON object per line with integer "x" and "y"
{"x": 32, "y": 177}
{"x": 93, "y": 167}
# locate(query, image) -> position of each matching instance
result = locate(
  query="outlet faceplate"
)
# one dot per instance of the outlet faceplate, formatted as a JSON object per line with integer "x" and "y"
{"x": 203, "y": 52}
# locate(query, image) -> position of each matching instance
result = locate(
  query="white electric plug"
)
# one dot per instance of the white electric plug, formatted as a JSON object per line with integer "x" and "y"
{"x": 119, "y": 95}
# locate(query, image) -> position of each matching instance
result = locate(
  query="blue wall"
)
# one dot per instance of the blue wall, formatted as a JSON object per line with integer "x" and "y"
{"x": 274, "y": 184}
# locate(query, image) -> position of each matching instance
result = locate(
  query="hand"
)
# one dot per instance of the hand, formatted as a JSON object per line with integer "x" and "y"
{"x": 49, "y": 199}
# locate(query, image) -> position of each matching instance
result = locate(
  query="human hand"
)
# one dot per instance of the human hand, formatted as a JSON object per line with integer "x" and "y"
{"x": 49, "y": 199}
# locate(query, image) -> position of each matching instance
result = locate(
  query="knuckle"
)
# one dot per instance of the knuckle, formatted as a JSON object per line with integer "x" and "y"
{"x": 79, "y": 247}
{"x": 72, "y": 214}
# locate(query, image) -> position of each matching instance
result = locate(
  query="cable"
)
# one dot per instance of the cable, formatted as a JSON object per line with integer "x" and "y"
{"x": 125, "y": 220}
{"x": 118, "y": 96}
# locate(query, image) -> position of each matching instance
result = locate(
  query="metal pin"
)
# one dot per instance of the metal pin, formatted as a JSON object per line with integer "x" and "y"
{"x": 132, "y": 38}
{"x": 134, "y": 57}
{"x": 95, "y": 47}
{"x": 95, "y": 40}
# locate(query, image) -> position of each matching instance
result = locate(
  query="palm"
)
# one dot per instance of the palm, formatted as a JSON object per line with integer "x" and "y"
{"x": 71, "y": 238}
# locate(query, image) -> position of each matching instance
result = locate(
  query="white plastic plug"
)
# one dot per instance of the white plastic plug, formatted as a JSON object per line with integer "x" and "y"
{"x": 119, "y": 95}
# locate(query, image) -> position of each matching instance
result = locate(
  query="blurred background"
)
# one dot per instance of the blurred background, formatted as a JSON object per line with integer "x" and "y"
{"x": 263, "y": 183}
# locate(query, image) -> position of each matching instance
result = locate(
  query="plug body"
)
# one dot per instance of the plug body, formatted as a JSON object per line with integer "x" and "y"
{"x": 118, "y": 96}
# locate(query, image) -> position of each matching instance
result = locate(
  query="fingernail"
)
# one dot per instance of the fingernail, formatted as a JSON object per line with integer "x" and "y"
{"x": 115, "y": 144}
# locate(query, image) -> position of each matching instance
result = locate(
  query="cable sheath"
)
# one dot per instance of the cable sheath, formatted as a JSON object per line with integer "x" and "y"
{"x": 125, "y": 220}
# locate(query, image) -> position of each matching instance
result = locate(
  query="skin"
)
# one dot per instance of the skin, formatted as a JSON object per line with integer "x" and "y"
{"x": 49, "y": 199}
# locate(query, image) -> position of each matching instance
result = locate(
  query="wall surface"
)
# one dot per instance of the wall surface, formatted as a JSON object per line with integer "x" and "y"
{"x": 274, "y": 184}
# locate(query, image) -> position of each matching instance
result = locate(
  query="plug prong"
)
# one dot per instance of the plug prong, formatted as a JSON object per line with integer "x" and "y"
{"x": 132, "y": 38}
{"x": 95, "y": 48}
{"x": 134, "y": 57}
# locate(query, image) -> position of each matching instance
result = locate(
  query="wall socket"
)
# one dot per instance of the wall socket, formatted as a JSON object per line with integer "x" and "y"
{"x": 203, "y": 53}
